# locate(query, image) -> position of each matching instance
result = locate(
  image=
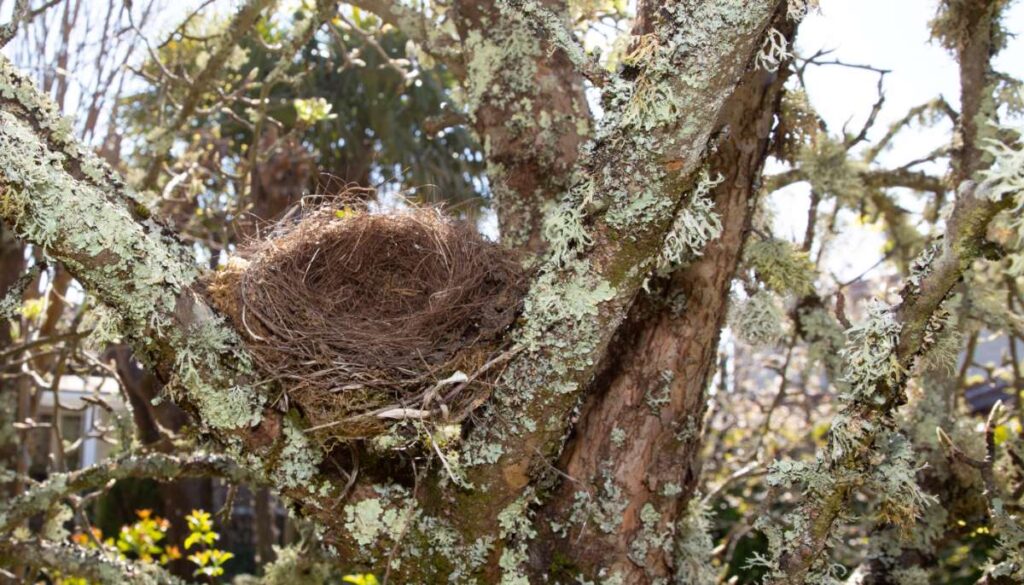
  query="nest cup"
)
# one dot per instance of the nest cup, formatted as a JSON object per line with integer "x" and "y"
{"x": 366, "y": 319}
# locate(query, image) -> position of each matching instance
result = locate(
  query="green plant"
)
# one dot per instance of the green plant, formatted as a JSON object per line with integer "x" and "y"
{"x": 210, "y": 560}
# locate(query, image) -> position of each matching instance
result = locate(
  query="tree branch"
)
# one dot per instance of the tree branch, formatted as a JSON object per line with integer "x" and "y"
{"x": 158, "y": 466}
{"x": 92, "y": 564}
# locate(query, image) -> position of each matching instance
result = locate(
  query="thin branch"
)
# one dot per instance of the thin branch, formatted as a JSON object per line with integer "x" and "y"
{"x": 158, "y": 466}
{"x": 92, "y": 564}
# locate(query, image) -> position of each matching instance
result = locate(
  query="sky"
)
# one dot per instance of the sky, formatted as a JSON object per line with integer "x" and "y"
{"x": 888, "y": 34}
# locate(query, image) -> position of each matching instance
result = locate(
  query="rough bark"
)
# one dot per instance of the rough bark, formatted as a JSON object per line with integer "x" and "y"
{"x": 528, "y": 108}
{"x": 654, "y": 389}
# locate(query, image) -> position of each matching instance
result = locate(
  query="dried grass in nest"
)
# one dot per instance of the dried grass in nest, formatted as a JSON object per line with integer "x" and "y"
{"x": 361, "y": 317}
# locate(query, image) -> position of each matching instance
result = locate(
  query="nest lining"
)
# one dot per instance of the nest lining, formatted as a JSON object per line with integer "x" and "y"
{"x": 363, "y": 318}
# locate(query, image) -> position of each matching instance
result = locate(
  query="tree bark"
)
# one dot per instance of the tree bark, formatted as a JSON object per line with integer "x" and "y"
{"x": 529, "y": 110}
{"x": 653, "y": 391}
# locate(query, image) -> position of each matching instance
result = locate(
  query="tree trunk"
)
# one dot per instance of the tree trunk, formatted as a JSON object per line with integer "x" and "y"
{"x": 652, "y": 392}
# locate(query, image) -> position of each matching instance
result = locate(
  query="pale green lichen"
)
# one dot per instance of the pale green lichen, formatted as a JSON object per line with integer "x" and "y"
{"x": 617, "y": 437}
{"x": 565, "y": 233}
{"x": 200, "y": 352}
{"x": 774, "y": 51}
{"x": 661, "y": 395}
{"x": 650, "y": 537}
{"x": 694, "y": 546}
{"x": 293, "y": 566}
{"x": 1004, "y": 179}
{"x": 796, "y": 10}
{"x": 516, "y": 528}
{"x": 603, "y": 509}
{"x": 870, "y": 354}
{"x": 758, "y": 320}
{"x": 826, "y": 164}
{"x": 921, "y": 266}
{"x": 695, "y": 225}
{"x": 502, "y": 63}
{"x": 369, "y": 520}
{"x": 780, "y": 265}
{"x": 900, "y": 500}
{"x": 298, "y": 460}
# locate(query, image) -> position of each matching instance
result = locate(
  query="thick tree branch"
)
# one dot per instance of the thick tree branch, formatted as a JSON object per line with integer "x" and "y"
{"x": 638, "y": 441}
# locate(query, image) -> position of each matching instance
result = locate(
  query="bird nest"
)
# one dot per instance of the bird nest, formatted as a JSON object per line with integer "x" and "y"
{"x": 365, "y": 319}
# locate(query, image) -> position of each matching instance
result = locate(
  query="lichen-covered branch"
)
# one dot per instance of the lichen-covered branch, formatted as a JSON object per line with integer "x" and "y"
{"x": 419, "y": 28}
{"x": 159, "y": 466}
{"x": 69, "y": 204}
{"x": 92, "y": 564}
{"x": 556, "y": 29}
{"x": 635, "y": 460}
{"x": 524, "y": 98}
{"x": 880, "y": 353}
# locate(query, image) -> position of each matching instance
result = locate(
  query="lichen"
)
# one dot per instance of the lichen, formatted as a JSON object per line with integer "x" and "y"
{"x": 502, "y": 63}
{"x": 516, "y": 528}
{"x": 780, "y": 265}
{"x": 565, "y": 233}
{"x": 1004, "y": 179}
{"x": 870, "y": 354}
{"x": 694, "y": 545}
{"x": 371, "y": 520}
{"x": 695, "y": 225}
{"x": 774, "y": 51}
{"x": 830, "y": 171}
{"x": 758, "y": 320}
{"x": 297, "y": 463}
{"x": 134, "y": 267}
{"x": 200, "y": 352}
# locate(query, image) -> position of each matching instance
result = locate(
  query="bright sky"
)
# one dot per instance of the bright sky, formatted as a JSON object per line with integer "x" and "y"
{"x": 889, "y": 34}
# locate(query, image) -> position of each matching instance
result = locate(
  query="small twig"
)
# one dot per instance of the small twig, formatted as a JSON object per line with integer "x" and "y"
{"x": 841, "y": 310}
{"x": 11, "y": 302}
